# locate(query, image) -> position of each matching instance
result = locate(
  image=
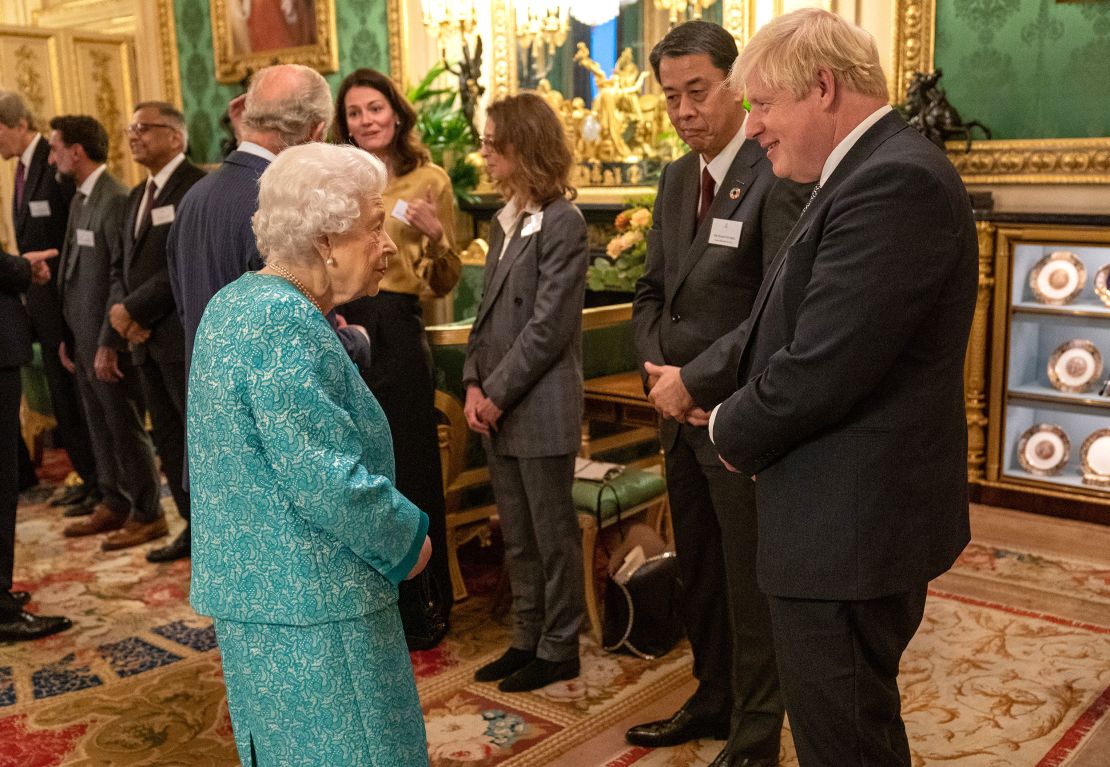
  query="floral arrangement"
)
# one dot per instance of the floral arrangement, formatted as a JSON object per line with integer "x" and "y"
{"x": 623, "y": 262}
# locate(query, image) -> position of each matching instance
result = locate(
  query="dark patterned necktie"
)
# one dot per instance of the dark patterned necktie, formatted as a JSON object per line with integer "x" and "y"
{"x": 706, "y": 201}
{"x": 20, "y": 182}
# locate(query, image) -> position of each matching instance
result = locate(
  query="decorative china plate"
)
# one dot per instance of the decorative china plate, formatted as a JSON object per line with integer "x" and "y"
{"x": 1044, "y": 449}
{"x": 1096, "y": 458}
{"x": 1075, "y": 366}
{"x": 1058, "y": 278}
{"x": 1102, "y": 284}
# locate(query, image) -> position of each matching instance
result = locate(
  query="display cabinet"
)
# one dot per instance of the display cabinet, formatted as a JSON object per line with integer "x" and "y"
{"x": 1049, "y": 424}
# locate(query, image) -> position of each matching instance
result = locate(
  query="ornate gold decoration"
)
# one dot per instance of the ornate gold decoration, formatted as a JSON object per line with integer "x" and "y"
{"x": 975, "y": 359}
{"x": 108, "y": 111}
{"x": 167, "y": 37}
{"x": 690, "y": 9}
{"x": 395, "y": 20}
{"x": 736, "y": 17}
{"x": 28, "y": 79}
{"x": 504, "y": 60}
{"x": 1022, "y": 161}
{"x": 1041, "y": 161}
{"x": 232, "y": 66}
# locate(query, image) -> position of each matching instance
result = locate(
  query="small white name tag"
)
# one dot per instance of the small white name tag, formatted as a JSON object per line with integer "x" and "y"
{"x": 725, "y": 232}
{"x": 532, "y": 224}
{"x": 39, "y": 208}
{"x": 85, "y": 238}
{"x": 161, "y": 215}
{"x": 401, "y": 211}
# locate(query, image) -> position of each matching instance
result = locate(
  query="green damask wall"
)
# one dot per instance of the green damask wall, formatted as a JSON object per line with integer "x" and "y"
{"x": 1027, "y": 68}
{"x": 363, "y": 41}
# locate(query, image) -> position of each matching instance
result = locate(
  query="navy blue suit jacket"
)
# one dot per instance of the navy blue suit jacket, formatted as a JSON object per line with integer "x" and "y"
{"x": 15, "y": 341}
{"x": 211, "y": 242}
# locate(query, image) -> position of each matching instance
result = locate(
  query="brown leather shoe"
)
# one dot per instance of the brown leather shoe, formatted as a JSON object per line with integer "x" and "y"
{"x": 102, "y": 520}
{"x": 133, "y": 533}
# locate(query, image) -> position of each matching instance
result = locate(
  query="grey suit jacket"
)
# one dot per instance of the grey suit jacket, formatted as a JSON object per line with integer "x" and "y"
{"x": 850, "y": 405}
{"x": 84, "y": 270}
{"x": 525, "y": 347}
{"x": 694, "y": 296}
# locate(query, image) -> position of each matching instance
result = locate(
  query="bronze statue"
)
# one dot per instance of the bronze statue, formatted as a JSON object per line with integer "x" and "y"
{"x": 927, "y": 109}
{"x": 469, "y": 72}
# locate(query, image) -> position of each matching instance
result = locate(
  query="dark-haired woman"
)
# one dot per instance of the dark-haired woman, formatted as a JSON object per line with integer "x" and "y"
{"x": 420, "y": 218}
{"x": 523, "y": 381}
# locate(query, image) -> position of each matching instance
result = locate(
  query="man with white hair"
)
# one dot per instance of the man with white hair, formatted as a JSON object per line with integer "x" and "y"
{"x": 211, "y": 242}
{"x": 850, "y": 408}
{"x": 141, "y": 305}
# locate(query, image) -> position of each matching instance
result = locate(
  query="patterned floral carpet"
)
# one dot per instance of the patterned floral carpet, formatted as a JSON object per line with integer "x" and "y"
{"x": 137, "y": 680}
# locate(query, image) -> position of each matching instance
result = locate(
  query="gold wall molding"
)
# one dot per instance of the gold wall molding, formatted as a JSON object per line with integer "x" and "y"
{"x": 396, "y": 21}
{"x": 502, "y": 24}
{"x": 167, "y": 44}
{"x": 1019, "y": 161}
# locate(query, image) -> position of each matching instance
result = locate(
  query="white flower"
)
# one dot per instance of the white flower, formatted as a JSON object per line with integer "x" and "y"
{"x": 454, "y": 728}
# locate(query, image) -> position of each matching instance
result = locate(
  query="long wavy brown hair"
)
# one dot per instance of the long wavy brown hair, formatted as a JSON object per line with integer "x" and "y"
{"x": 528, "y": 131}
{"x": 406, "y": 150}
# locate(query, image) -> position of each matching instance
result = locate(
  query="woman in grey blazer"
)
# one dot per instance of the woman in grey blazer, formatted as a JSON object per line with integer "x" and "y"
{"x": 523, "y": 381}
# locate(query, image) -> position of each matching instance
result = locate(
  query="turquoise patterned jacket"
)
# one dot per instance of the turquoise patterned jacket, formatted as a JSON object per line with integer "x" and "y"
{"x": 295, "y": 516}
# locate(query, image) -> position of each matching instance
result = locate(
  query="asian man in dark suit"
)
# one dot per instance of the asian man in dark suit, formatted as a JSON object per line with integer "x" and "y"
{"x": 16, "y": 276}
{"x": 850, "y": 408}
{"x": 40, "y": 208}
{"x": 130, "y": 512}
{"x": 141, "y": 304}
{"x": 704, "y": 266}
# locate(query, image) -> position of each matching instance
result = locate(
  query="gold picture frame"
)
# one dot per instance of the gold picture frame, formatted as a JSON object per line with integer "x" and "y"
{"x": 248, "y": 35}
{"x": 1018, "y": 161}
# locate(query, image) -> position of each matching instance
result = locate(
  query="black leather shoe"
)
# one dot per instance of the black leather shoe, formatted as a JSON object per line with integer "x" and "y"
{"x": 84, "y": 507}
{"x": 680, "y": 728}
{"x": 725, "y": 759}
{"x": 540, "y": 673}
{"x": 23, "y": 626}
{"x": 179, "y": 548}
{"x": 512, "y": 661}
{"x": 71, "y": 495}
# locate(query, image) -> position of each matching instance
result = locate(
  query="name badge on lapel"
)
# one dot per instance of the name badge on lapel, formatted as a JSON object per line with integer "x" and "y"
{"x": 85, "y": 238}
{"x": 532, "y": 224}
{"x": 161, "y": 215}
{"x": 39, "y": 208}
{"x": 725, "y": 232}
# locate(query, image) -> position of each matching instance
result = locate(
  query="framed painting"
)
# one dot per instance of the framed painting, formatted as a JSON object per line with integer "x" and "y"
{"x": 250, "y": 34}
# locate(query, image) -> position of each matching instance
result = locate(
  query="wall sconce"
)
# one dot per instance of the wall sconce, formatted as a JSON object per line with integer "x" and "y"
{"x": 447, "y": 18}
{"x": 542, "y": 22}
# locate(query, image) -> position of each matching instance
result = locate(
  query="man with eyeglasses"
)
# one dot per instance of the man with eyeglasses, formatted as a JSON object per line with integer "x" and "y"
{"x": 40, "y": 207}
{"x": 141, "y": 306}
{"x": 106, "y": 379}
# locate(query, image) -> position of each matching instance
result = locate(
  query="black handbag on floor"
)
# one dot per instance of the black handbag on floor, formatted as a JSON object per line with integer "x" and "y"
{"x": 641, "y": 615}
{"x": 422, "y": 611}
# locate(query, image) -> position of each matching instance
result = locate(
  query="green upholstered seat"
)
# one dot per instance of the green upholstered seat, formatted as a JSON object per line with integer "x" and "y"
{"x": 632, "y": 488}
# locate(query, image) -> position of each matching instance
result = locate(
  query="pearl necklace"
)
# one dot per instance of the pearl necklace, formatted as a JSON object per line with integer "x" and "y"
{"x": 297, "y": 284}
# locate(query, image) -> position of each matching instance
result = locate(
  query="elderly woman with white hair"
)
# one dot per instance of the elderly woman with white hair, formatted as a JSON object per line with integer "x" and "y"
{"x": 300, "y": 537}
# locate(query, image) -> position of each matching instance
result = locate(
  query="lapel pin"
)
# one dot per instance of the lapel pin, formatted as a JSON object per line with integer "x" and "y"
{"x": 734, "y": 193}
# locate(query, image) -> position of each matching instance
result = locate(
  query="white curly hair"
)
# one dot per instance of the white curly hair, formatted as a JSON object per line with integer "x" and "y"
{"x": 310, "y": 191}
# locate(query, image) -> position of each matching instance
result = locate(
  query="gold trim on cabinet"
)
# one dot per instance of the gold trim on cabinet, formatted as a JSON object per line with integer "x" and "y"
{"x": 975, "y": 360}
{"x": 592, "y": 319}
{"x": 1021, "y": 161}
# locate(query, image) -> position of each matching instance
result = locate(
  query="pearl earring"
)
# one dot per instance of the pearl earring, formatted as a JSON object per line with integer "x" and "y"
{"x": 330, "y": 261}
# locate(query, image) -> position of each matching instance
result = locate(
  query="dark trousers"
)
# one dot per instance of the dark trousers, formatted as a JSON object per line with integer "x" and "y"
{"x": 10, "y": 390}
{"x": 400, "y": 377}
{"x": 124, "y": 456}
{"x": 164, "y": 392}
{"x": 72, "y": 426}
{"x": 724, "y": 612}
{"x": 543, "y": 551}
{"x": 838, "y": 662}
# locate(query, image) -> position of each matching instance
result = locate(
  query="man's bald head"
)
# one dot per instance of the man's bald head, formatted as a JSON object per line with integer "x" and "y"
{"x": 286, "y": 105}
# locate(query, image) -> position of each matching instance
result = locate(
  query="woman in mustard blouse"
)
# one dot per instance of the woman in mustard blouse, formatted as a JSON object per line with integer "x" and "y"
{"x": 420, "y": 218}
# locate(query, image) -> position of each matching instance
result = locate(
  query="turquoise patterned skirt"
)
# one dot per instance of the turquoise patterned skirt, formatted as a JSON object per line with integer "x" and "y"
{"x": 339, "y": 693}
